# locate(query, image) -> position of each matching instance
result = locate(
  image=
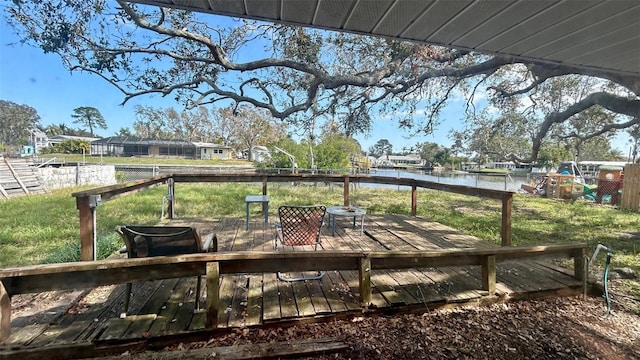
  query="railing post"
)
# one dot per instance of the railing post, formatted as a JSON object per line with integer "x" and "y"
{"x": 489, "y": 274}
{"x": 346, "y": 190}
{"x": 505, "y": 230}
{"x": 414, "y": 200}
{"x": 579, "y": 265}
{"x": 87, "y": 229}
{"x": 364, "y": 277}
{"x": 171, "y": 191}
{"x": 213, "y": 295}
{"x": 265, "y": 205}
{"x": 5, "y": 313}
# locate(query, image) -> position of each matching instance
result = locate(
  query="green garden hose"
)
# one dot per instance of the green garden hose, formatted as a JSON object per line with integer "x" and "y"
{"x": 605, "y": 276}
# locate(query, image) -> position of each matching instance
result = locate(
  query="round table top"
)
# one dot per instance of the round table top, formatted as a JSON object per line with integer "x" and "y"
{"x": 346, "y": 210}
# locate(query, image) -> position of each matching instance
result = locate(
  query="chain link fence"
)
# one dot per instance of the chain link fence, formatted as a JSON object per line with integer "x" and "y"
{"x": 126, "y": 173}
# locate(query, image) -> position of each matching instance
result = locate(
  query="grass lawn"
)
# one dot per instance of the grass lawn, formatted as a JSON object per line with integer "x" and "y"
{"x": 44, "y": 228}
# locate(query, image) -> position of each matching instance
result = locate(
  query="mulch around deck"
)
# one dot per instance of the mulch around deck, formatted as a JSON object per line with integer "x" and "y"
{"x": 165, "y": 308}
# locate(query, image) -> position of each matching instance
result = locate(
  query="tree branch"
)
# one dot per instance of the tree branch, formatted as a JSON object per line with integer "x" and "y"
{"x": 611, "y": 102}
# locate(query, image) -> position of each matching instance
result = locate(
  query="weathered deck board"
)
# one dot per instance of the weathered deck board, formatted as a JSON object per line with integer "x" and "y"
{"x": 420, "y": 234}
{"x": 168, "y": 313}
{"x": 302, "y": 297}
{"x": 318, "y": 298}
{"x": 166, "y": 307}
{"x": 338, "y": 282}
{"x": 254, "y": 303}
{"x": 238, "y": 307}
{"x": 270, "y": 298}
{"x": 288, "y": 308}
{"x": 227, "y": 286}
{"x": 70, "y": 332}
{"x": 379, "y": 287}
{"x": 139, "y": 329}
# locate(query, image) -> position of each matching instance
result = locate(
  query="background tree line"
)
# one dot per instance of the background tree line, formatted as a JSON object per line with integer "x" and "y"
{"x": 244, "y": 127}
{"x": 241, "y": 128}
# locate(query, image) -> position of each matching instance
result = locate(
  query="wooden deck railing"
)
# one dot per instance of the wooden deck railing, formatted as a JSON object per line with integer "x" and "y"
{"x": 88, "y": 200}
{"x": 87, "y": 274}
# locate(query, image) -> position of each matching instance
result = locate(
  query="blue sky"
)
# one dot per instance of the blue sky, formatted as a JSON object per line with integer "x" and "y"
{"x": 30, "y": 77}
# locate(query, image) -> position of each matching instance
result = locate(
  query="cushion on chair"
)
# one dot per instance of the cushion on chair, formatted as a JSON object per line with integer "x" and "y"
{"x": 147, "y": 241}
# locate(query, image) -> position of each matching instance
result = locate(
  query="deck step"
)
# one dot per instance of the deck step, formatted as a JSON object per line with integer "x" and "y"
{"x": 18, "y": 177}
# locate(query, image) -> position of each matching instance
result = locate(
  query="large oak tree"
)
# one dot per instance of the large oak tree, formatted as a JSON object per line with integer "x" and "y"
{"x": 292, "y": 72}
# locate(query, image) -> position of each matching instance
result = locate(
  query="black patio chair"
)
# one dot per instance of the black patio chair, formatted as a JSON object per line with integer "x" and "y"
{"x": 149, "y": 241}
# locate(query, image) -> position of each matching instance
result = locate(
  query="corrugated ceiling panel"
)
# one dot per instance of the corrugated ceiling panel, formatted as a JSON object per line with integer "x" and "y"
{"x": 570, "y": 24}
{"x": 602, "y": 56}
{"x": 200, "y": 4}
{"x": 332, "y": 13}
{"x": 598, "y": 13}
{"x": 269, "y": 8}
{"x": 168, "y": 2}
{"x": 507, "y": 19}
{"x": 399, "y": 16}
{"x": 436, "y": 16}
{"x": 628, "y": 60}
{"x": 600, "y": 35}
{"x": 520, "y": 33}
{"x": 365, "y": 15}
{"x": 299, "y": 11}
{"x": 467, "y": 20}
{"x": 227, "y": 6}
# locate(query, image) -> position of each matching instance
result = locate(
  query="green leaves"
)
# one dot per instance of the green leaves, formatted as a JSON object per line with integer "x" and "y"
{"x": 16, "y": 122}
{"x": 89, "y": 117}
{"x": 56, "y": 38}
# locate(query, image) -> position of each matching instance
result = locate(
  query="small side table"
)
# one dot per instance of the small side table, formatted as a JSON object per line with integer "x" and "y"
{"x": 264, "y": 200}
{"x": 348, "y": 211}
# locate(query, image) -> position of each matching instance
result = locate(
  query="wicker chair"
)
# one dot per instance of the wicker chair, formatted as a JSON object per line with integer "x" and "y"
{"x": 299, "y": 225}
{"x": 149, "y": 241}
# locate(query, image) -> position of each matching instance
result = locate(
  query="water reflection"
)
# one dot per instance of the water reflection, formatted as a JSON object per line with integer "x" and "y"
{"x": 495, "y": 182}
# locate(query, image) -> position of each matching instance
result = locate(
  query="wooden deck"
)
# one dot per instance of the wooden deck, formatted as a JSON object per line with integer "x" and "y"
{"x": 162, "y": 309}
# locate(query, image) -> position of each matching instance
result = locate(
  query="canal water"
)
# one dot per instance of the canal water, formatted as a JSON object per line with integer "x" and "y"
{"x": 486, "y": 181}
{"x": 494, "y": 181}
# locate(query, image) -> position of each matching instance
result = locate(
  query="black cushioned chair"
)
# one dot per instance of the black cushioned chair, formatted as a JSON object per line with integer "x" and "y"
{"x": 149, "y": 241}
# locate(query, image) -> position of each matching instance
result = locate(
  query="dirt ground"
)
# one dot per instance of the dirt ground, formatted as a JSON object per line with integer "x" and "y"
{"x": 553, "y": 328}
{"x": 558, "y": 328}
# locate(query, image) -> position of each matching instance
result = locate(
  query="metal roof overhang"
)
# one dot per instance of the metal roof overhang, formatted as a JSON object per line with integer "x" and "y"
{"x": 587, "y": 34}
